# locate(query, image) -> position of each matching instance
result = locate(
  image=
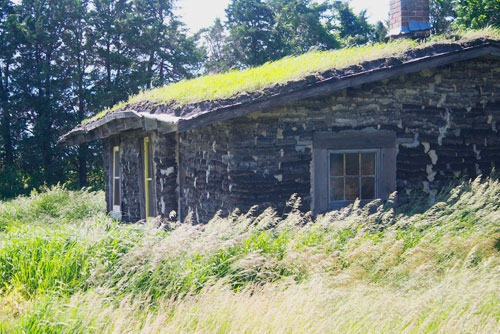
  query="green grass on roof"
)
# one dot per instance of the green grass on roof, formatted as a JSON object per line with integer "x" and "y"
{"x": 220, "y": 86}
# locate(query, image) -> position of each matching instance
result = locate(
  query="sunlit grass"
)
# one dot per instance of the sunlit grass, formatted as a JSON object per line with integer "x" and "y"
{"x": 464, "y": 301}
{"x": 363, "y": 269}
{"x": 221, "y": 86}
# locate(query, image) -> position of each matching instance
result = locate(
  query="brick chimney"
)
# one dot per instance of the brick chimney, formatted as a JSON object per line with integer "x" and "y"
{"x": 409, "y": 19}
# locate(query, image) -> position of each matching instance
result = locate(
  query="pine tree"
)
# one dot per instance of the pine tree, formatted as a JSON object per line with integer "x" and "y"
{"x": 353, "y": 29}
{"x": 218, "y": 57}
{"x": 250, "y": 24}
{"x": 299, "y": 26}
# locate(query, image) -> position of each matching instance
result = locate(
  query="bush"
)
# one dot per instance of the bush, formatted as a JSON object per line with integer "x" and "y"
{"x": 51, "y": 205}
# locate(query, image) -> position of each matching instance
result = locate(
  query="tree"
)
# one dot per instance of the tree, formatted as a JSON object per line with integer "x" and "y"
{"x": 299, "y": 26}
{"x": 113, "y": 68}
{"x": 11, "y": 180}
{"x": 218, "y": 56}
{"x": 159, "y": 38}
{"x": 9, "y": 40}
{"x": 63, "y": 61}
{"x": 261, "y": 31}
{"x": 442, "y": 15}
{"x": 250, "y": 24}
{"x": 353, "y": 29}
{"x": 379, "y": 32}
{"x": 41, "y": 80}
{"x": 477, "y": 14}
{"x": 78, "y": 50}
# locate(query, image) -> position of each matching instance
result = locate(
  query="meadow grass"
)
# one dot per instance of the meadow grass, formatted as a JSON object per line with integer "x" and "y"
{"x": 365, "y": 269}
{"x": 225, "y": 85}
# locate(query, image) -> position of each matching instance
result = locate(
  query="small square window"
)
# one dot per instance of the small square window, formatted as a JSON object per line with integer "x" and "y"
{"x": 350, "y": 165}
{"x": 353, "y": 175}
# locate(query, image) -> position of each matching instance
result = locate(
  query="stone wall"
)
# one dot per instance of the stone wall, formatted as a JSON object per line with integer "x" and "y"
{"x": 205, "y": 160}
{"x": 165, "y": 169}
{"x": 131, "y": 180}
{"x": 445, "y": 120}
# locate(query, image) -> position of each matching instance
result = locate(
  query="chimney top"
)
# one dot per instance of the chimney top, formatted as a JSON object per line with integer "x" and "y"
{"x": 409, "y": 19}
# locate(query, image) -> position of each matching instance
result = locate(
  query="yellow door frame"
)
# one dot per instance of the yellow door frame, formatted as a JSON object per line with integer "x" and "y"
{"x": 147, "y": 177}
{"x": 116, "y": 175}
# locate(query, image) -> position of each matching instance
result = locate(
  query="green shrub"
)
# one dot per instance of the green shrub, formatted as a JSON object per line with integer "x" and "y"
{"x": 52, "y": 205}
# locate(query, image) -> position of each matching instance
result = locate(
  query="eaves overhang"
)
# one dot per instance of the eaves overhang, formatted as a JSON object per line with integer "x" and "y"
{"x": 116, "y": 122}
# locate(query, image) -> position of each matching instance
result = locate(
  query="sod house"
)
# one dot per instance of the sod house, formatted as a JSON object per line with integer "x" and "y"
{"x": 402, "y": 116}
{"x": 331, "y": 127}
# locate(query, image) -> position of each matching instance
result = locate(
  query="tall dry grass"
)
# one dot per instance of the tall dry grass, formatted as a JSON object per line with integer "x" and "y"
{"x": 426, "y": 269}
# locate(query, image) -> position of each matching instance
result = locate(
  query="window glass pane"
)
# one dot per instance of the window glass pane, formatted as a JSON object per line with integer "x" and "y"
{"x": 351, "y": 188}
{"x": 352, "y": 164}
{"x": 368, "y": 188}
{"x": 116, "y": 170}
{"x": 337, "y": 164}
{"x": 116, "y": 197}
{"x": 336, "y": 189}
{"x": 368, "y": 163}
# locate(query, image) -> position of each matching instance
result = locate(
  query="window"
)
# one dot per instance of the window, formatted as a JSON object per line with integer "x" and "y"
{"x": 352, "y": 165}
{"x": 116, "y": 179}
{"x": 352, "y": 175}
{"x": 149, "y": 204}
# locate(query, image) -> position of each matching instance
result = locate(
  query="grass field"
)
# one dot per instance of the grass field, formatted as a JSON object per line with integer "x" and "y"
{"x": 230, "y": 84}
{"x": 67, "y": 268}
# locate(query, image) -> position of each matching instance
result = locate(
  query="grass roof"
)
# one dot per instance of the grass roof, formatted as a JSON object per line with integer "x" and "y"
{"x": 222, "y": 86}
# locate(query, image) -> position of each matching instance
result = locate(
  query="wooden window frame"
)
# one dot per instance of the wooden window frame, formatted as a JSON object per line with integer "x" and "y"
{"x": 116, "y": 176}
{"x": 335, "y": 204}
{"x": 352, "y": 141}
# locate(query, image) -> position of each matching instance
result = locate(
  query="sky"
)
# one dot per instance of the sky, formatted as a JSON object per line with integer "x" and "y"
{"x": 199, "y": 14}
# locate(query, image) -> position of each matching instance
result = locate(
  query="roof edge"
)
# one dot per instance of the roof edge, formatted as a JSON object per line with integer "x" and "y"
{"x": 117, "y": 122}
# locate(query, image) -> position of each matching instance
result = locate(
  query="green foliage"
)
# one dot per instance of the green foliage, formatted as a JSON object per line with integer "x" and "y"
{"x": 39, "y": 262}
{"x": 63, "y": 61}
{"x": 250, "y": 24}
{"x": 48, "y": 247}
{"x": 11, "y": 182}
{"x": 51, "y": 205}
{"x": 464, "y": 14}
{"x": 442, "y": 15}
{"x": 216, "y": 47}
{"x": 478, "y": 14}
{"x": 353, "y": 28}
{"x": 299, "y": 27}
{"x": 262, "y": 31}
